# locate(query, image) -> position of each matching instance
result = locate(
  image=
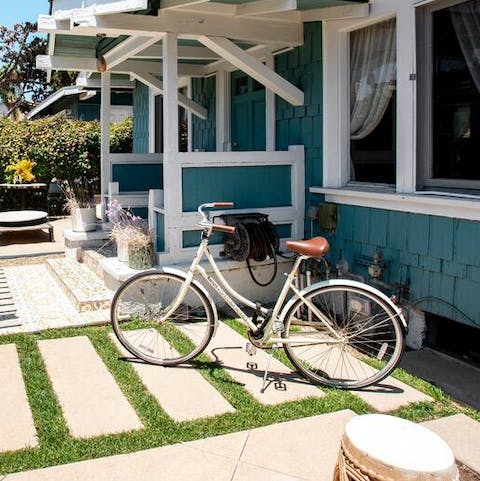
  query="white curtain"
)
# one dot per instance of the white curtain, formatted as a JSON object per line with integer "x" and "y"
{"x": 466, "y": 21}
{"x": 373, "y": 68}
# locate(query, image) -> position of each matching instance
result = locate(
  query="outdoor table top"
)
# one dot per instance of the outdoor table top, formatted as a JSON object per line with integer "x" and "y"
{"x": 35, "y": 185}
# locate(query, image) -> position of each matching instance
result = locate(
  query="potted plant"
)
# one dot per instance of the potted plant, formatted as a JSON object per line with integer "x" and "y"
{"x": 132, "y": 236}
{"x": 79, "y": 195}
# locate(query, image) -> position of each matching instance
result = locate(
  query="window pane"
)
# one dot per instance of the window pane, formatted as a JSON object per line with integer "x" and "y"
{"x": 372, "y": 103}
{"x": 456, "y": 98}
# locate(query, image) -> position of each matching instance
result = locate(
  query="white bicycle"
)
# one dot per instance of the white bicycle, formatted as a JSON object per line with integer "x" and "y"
{"x": 339, "y": 333}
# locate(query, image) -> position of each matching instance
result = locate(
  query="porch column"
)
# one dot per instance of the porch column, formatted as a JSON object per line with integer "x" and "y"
{"x": 223, "y": 111}
{"x": 270, "y": 134}
{"x": 105, "y": 107}
{"x": 172, "y": 178}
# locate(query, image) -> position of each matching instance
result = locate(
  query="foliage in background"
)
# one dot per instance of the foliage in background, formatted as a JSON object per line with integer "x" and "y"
{"x": 22, "y": 85}
{"x": 62, "y": 148}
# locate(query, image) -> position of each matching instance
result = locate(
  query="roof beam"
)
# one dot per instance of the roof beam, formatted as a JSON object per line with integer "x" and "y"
{"x": 76, "y": 64}
{"x": 172, "y": 4}
{"x": 336, "y": 13}
{"x": 84, "y": 81}
{"x": 262, "y": 7}
{"x": 128, "y": 48}
{"x": 259, "y": 52}
{"x": 187, "y": 25}
{"x": 185, "y": 53}
{"x": 157, "y": 86}
{"x": 256, "y": 69}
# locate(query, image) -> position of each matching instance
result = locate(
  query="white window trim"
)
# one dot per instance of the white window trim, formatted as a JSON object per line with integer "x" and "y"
{"x": 336, "y": 160}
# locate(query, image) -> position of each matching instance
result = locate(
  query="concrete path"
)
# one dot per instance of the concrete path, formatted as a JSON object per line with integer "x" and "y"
{"x": 228, "y": 348}
{"x": 182, "y": 391}
{"x": 462, "y": 434}
{"x": 305, "y": 449}
{"x": 91, "y": 401}
{"x": 17, "y": 430}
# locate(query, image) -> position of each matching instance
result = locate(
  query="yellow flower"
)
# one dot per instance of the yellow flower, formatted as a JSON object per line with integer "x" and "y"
{"x": 21, "y": 171}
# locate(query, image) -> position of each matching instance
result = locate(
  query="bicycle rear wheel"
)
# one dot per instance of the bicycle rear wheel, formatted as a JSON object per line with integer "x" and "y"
{"x": 139, "y": 320}
{"x": 358, "y": 342}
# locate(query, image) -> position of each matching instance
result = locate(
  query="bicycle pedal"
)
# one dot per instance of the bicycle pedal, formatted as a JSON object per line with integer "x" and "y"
{"x": 252, "y": 366}
{"x": 280, "y": 386}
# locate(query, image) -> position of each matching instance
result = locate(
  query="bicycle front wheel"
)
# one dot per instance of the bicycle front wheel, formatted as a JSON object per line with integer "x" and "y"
{"x": 348, "y": 338}
{"x": 147, "y": 323}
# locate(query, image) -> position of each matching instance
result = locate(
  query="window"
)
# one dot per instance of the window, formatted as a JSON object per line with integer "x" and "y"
{"x": 373, "y": 103}
{"x": 449, "y": 141}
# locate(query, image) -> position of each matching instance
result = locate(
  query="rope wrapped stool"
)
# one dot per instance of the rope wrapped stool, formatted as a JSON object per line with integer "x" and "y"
{"x": 375, "y": 447}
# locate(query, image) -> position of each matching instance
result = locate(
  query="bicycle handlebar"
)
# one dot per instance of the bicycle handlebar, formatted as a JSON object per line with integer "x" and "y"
{"x": 205, "y": 222}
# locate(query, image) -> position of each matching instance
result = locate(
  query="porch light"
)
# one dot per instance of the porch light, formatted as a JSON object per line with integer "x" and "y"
{"x": 101, "y": 64}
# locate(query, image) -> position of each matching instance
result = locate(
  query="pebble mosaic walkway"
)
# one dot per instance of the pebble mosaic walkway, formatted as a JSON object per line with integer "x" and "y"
{"x": 182, "y": 391}
{"x": 41, "y": 304}
{"x": 17, "y": 430}
{"x": 91, "y": 401}
{"x": 8, "y": 309}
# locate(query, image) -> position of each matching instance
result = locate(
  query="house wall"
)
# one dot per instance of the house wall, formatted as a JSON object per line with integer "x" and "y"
{"x": 204, "y": 131}
{"x": 140, "y": 118}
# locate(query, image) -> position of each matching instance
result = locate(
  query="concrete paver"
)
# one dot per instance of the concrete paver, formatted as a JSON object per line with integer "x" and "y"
{"x": 391, "y": 394}
{"x": 182, "y": 391}
{"x": 228, "y": 348}
{"x": 462, "y": 434}
{"x": 91, "y": 401}
{"x": 17, "y": 430}
{"x": 304, "y": 449}
{"x": 227, "y": 445}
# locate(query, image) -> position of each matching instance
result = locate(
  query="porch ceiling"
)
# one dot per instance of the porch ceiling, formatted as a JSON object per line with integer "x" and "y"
{"x": 301, "y": 4}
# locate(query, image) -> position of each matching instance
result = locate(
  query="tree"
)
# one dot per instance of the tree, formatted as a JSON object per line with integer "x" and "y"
{"x": 22, "y": 85}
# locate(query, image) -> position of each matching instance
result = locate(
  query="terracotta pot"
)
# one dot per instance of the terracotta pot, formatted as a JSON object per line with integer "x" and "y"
{"x": 84, "y": 219}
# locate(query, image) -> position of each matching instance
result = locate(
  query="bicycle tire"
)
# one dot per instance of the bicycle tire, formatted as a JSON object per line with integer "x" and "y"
{"x": 136, "y": 315}
{"x": 371, "y": 333}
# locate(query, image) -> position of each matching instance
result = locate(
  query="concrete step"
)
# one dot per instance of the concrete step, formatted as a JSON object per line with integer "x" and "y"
{"x": 8, "y": 308}
{"x": 91, "y": 400}
{"x": 85, "y": 290}
{"x": 93, "y": 258}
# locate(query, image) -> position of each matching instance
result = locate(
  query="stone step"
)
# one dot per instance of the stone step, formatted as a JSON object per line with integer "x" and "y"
{"x": 85, "y": 290}
{"x": 91, "y": 401}
{"x": 462, "y": 434}
{"x": 228, "y": 348}
{"x": 8, "y": 308}
{"x": 182, "y": 391}
{"x": 93, "y": 258}
{"x": 17, "y": 430}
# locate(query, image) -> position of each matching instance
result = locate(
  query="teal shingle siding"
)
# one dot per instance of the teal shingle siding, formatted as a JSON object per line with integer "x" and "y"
{"x": 204, "y": 132}
{"x": 138, "y": 177}
{"x": 140, "y": 118}
{"x": 437, "y": 256}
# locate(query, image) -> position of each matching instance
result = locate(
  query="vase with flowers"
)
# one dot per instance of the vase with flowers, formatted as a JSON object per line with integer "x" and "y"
{"x": 132, "y": 236}
{"x": 79, "y": 195}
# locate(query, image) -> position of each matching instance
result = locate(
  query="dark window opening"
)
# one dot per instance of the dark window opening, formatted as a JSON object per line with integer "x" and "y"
{"x": 456, "y": 105}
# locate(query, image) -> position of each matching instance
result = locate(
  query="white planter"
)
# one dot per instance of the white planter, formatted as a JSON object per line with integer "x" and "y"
{"x": 122, "y": 250}
{"x": 84, "y": 219}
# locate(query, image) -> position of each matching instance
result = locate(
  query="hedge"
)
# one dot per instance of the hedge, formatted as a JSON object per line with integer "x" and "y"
{"x": 62, "y": 148}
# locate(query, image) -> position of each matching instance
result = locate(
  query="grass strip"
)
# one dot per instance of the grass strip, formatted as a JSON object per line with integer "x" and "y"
{"x": 56, "y": 446}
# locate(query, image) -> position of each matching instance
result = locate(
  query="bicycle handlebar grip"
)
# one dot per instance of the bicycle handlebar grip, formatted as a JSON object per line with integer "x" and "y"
{"x": 227, "y": 229}
{"x": 223, "y": 204}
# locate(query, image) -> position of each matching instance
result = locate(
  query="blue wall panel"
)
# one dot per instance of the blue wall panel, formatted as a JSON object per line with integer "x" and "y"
{"x": 140, "y": 118}
{"x": 160, "y": 232}
{"x": 138, "y": 177}
{"x": 247, "y": 187}
{"x": 204, "y": 131}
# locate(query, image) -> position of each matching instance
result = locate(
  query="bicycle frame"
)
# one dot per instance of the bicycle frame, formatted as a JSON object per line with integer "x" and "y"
{"x": 268, "y": 331}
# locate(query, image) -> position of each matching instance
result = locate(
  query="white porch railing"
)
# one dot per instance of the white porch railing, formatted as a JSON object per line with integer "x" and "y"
{"x": 170, "y": 205}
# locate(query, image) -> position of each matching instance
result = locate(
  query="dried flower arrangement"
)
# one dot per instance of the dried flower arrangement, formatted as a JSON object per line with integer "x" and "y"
{"x": 79, "y": 193}
{"x": 127, "y": 227}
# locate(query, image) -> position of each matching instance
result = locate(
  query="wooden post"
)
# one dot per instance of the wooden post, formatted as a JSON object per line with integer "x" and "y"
{"x": 222, "y": 90}
{"x": 270, "y": 134}
{"x": 105, "y": 164}
{"x": 172, "y": 182}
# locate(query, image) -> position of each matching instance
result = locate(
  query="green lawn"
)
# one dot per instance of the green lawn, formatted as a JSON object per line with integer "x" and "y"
{"x": 56, "y": 446}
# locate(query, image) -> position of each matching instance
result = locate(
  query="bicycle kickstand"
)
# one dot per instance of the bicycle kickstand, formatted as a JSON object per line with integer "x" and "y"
{"x": 279, "y": 384}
